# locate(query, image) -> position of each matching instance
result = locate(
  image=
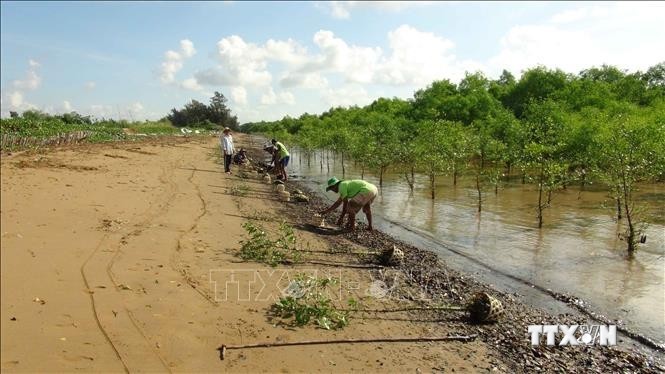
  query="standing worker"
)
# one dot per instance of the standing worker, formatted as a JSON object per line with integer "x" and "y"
{"x": 355, "y": 195}
{"x": 227, "y": 149}
{"x": 283, "y": 158}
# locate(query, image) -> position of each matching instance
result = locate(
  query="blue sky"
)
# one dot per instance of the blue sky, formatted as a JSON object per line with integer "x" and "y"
{"x": 137, "y": 60}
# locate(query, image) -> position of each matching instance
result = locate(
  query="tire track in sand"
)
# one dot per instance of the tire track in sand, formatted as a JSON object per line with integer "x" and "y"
{"x": 121, "y": 330}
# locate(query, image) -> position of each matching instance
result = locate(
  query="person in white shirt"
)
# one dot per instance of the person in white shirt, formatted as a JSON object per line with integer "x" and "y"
{"x": 227, "y": 149}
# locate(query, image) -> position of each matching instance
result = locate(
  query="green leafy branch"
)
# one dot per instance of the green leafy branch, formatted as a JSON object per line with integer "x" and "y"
{"x": 307, "y": 302}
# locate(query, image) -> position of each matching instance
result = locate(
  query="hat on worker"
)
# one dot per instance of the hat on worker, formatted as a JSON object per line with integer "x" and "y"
{"x": 331, "y": 183}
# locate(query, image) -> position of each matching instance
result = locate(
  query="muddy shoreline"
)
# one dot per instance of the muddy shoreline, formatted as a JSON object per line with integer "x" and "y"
{"x": 424, "y": 273}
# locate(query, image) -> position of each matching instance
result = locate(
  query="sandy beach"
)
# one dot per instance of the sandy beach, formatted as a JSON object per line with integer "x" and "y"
{"x": 112, "y": 257}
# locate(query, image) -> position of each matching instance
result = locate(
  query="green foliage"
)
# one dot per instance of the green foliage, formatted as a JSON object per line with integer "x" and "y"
{"x": 260, "y": 247}
{"x": 39, "y": 125}
{"x": 308, "y": 302}
{"x": 630, "y": 149}
{"x": 549, "y": 125}
{"x": 211, "y": 116}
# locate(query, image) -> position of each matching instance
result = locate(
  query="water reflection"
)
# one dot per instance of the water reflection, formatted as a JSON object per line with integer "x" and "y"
{"x": 577, "y": 251}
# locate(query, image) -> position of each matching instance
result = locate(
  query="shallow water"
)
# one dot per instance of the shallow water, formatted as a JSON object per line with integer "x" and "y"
{"x": 578, "y": 251}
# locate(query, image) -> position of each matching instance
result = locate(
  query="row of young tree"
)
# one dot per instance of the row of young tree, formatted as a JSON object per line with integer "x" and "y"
{"x": 552, "y": 128}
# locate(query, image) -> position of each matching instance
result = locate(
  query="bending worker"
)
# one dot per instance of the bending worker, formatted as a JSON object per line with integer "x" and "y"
{"x": 354, "y": 195}
{"x": 283, "y": 158}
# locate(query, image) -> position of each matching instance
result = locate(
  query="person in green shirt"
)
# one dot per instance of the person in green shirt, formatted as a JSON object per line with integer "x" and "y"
{"x": 283, "y": 158}
{"x": 353, "y": 195}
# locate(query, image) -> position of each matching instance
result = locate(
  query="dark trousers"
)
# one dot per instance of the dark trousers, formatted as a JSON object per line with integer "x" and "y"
{"x": 227, "y": 163}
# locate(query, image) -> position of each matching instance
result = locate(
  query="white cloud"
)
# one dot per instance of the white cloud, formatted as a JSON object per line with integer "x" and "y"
{"x": 214, "y": 77}
{"x": 187, "y": 48}
{"x": 101, "y": 111}
{"x": 287, "y": 98}
{"x": 244, "y": 62}
{"x": 418, "y": 58}
{"x": 343, "y": 9}
{"x": 306, "y": 80}
{"x": 269, "y": 98}
{"x": 628, "y": 35}
{"x": 239, "y": 95}
{"x": 173, "y": 61}
{"x": 339, "y": 9}
{"x": 136, "y": 107}
{"x": 358, "y": 64}
{"x": 288, "y": 52}
{"x": 346, "y": 96}
{"x": 66, "y": 106}
{"x": 15, "y": 99}
{"x": 90, "y": 85}
{"x": 191, "y": 84}
{"x": 32, "y": 79}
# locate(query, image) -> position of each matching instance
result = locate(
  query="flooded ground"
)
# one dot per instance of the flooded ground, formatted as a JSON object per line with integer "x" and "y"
{"x": 578, "y": 251}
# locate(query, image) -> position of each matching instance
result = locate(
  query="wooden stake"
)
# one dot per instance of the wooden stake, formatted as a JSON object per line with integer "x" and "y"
{"x": 463, "y": 338}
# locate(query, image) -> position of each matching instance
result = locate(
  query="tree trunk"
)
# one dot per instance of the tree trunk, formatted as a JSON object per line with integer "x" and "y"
{"x": 408, "y": 181}
{"x": 309, "y": 159}
{"x": 321, "y": 160}
{"x": 583, "y": 180}
{"x": 632, "y": 246}
{"x": 540, "y": 200}
{"x": 431, "y": 185}
{"x": 343, "y": 168}
{"x": 413, "y": 177}
{"x": 381, "y": 169}
{"x": 496, "y": 185}
{"x": 454, "y": 175}
{"x": 328, "y": 161}
{"x": 480, "y": 196}
{"x": 618, "y": 199}
{"x": 362, "y": 172}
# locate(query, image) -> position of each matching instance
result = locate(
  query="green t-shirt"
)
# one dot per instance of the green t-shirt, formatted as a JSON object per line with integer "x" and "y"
{"x": 282, "y": 150}
{"x": 349, "y": 189}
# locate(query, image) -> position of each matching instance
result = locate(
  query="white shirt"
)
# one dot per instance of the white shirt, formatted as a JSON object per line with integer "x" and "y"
{"x": 227, "y": 144}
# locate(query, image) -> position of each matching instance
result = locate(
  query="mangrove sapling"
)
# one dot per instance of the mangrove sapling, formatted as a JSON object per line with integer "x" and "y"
{"x": 307, "y": 302}
{"x": 264, "y": 215}
{"x": 631, "y": 149}
{"x": 239, "y": 190}
{"x": 261, "y": 248}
